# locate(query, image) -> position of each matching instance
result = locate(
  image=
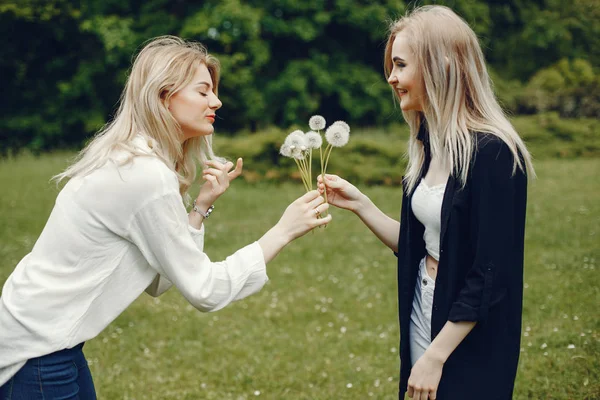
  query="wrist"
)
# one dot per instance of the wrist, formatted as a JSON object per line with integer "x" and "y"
{"x": 362, "y": 203}
{"x": 437, "y": 355}
{"x": 202, "y": 208}
{"x": 281, "y": 234}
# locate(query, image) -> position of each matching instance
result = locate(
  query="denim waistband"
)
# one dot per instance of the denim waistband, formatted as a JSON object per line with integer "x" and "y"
{"x": 60, "y": 355}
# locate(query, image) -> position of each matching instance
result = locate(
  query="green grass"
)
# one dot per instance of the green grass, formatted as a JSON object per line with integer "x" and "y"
{"x": 328, "y": 317}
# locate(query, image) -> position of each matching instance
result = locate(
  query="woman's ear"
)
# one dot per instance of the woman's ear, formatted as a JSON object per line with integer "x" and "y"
{"x": 164, "y": 99}
{"x": 166, "y": 93}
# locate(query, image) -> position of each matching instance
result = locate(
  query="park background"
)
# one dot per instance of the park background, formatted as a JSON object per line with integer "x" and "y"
{"x": 325, "y": 326}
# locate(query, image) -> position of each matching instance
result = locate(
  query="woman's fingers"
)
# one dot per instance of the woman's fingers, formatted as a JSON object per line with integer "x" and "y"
{"x": 238, "y": 169}
{"x": 213, "y": 171}
{"x": 315, "y": 202}
{"x": 218, "y": 165}
{"x": 217, "y": 173}
{"x": 211, "y": 179}
{"x": 410, "y": 392}
{"x": 323, "y": 221}
{"x": 321, "y": 208}
{"x": 308, "y": 196}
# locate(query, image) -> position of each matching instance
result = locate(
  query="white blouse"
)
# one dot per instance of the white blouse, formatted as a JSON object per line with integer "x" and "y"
{"x": 427, "y": 207}
{"x": 111, "y": 235}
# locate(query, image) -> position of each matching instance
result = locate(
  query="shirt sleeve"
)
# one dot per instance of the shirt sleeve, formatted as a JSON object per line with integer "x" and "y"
{"x": 495, "y": 200}
{"x": 160, "y": 284}
{"x": 161, "y": 231}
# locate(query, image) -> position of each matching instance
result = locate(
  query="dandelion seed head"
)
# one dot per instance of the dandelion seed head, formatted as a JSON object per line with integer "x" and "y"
{"x": 285, "y": 150}
{"x": 298, "y": 154}
{"x": 337, "y": 135}
{"x": 316, "y": 122}
{"x": 342, "y": 124}
{"x": 314, "y": 140}
{"x": 295, "y": 139}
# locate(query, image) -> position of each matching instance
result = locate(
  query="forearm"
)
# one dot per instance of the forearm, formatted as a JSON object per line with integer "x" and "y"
{"x": 451, "y": 335}
{"x": 272, "y": 243}
{"x": 385, "y": 228}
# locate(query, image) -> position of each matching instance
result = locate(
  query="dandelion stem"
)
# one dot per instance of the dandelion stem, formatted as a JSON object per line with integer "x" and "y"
{"x": 329, "y": 148}
{"x": 322, "y": 170}
{"x": 310, "y": 167}
{"x": 302, "y": 174}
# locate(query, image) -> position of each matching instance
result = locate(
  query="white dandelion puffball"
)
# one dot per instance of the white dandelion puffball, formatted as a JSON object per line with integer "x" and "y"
{"x": 298, "y": 154}
{"x": 313, "y": 139}
{"x": 296, "y": 139}
{"x": 337, "y": 135}
{"x": 344, "y": 124}
{"x": 285, "y": 150}
{"x": 316, "y": 123}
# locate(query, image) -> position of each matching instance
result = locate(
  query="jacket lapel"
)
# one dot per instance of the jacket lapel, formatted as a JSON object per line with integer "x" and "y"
{"x": 447, "y": 206}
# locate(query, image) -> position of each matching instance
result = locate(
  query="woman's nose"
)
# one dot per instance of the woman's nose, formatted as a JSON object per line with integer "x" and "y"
{"x": 216, "y": 103}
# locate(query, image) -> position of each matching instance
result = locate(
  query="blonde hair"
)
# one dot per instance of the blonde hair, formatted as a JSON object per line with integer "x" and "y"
{"x": 164, "y": 66}
{"x": 459, "y": 95}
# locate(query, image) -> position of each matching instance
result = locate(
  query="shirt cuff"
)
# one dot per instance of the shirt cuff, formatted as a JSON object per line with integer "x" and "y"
{"x": 196, "y": 232}
{"x": 257, "y": 270}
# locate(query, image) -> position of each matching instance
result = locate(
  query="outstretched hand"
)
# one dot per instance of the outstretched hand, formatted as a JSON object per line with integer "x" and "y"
{"x": 303, "y": 215}
{"x": 340, "y": 192}
{"x": 217, "y": 176}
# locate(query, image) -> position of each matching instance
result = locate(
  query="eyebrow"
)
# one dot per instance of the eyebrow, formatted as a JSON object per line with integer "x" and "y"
{"x": 395, "y": 59}
{"x": 203, "y": 83}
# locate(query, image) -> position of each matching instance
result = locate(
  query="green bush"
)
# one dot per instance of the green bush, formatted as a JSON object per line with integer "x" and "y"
{"x": 568, "y": 87}
{"x": 377, "y": 156}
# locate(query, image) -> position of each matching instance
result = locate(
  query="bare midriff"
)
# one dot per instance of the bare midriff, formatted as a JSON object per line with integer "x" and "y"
{"x": 432, "y": 266}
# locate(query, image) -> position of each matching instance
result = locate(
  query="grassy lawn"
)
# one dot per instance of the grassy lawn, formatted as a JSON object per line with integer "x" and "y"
{"x": 325, "y": 326}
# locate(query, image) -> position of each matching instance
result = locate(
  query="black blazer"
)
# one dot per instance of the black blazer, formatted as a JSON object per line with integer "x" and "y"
{"x": 480, "y": 273}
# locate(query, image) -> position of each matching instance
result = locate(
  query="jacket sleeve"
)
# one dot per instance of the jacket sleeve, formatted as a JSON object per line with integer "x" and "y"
{"x": 496, "y": 195}
{"x": 160, "y": 230}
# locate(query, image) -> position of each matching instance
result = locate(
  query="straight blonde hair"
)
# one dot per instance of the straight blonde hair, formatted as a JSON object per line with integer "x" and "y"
{"x": 459, "y": 96}
{"x": 164, "y": 66}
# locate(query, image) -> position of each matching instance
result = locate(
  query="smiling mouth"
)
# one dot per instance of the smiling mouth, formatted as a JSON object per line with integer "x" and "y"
{"x": 401, "y": 91}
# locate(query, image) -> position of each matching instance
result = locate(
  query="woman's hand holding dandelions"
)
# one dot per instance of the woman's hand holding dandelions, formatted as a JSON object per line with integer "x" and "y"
{"x": 302, "y": 215}
{"x": 299, "y": 218}
{"x": 340, "y": 192}
{"x": 217, "y": 176}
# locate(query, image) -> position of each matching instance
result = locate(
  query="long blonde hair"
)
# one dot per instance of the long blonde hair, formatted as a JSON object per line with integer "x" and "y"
{"x": 460, "y": 99}
{"x": 164, "y": 66}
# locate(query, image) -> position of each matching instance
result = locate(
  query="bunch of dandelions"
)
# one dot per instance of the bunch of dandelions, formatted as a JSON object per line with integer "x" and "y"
{"x": 299, "y": 146}
{"x": 337, "y": 135}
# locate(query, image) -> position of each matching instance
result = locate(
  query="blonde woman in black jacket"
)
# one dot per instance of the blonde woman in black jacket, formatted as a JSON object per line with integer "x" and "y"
{"x": 460, "y": 238}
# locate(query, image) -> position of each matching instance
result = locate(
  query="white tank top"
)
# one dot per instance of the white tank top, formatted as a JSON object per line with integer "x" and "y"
{"x": 427, "y": 207}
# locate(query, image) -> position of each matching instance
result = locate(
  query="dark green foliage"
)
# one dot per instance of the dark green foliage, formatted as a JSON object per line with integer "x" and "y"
{"x": 64, "y": 63}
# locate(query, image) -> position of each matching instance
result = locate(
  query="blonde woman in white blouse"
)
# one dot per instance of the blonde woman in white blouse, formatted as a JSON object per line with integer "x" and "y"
{"x": 119, "y": 227}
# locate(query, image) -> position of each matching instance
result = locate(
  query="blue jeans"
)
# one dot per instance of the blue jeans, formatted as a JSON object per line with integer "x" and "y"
{"x": 58, "y": 376}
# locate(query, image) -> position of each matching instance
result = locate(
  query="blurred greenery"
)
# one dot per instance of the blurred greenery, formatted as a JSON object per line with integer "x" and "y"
{"x": 64, "y": 62}
{"x": 376, "y": 155}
